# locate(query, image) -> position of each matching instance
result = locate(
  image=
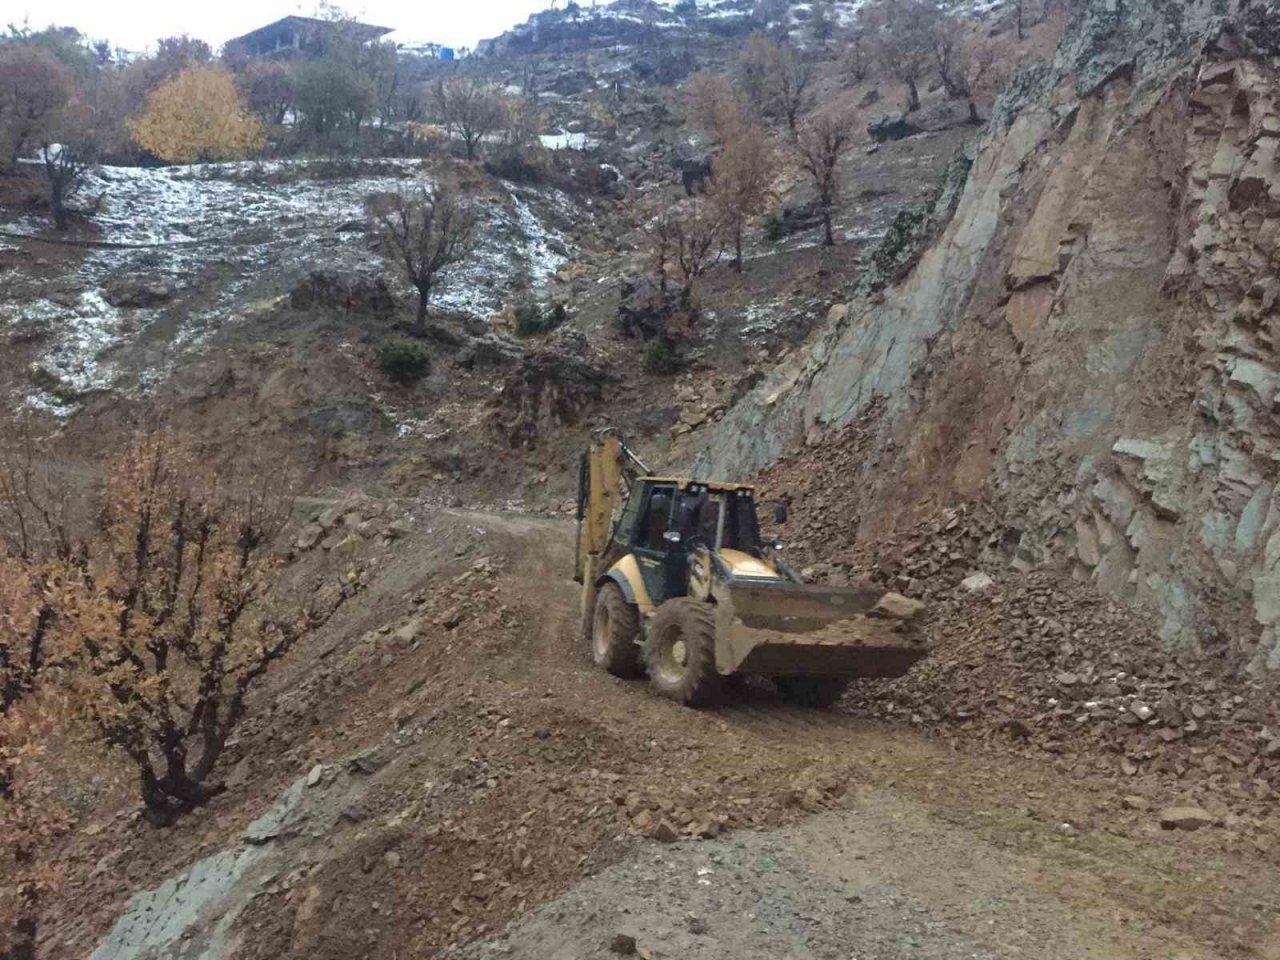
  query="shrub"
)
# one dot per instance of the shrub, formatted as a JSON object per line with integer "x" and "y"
{"x": 404, "y": 363}
{"x": 660, "y": 357}
{"x": 775, "y": 228}
{"x": 532, "y": 318}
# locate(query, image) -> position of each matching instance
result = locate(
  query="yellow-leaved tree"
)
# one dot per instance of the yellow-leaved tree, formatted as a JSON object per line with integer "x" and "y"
{"x": 198, "y": 115}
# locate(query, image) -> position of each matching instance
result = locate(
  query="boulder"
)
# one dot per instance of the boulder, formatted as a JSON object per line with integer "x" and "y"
{"x": 488, "y": 352}
{"x": 977, "y": 583}
{"x": 1185, "y": 818}
{"x": 644, "y": 310}
{"x": 891, "y": 126}
{"x": 348, "y": 292}
{"x": 121, "y": 292}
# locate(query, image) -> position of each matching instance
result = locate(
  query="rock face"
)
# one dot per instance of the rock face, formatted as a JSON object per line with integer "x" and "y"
{"x": 348, "y": 292}
{"x": 1090, "y": 344}
{"x": 550, "y": 388}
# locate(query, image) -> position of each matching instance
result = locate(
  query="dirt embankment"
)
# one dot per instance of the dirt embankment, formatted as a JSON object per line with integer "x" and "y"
{"x": 455, "y": 762}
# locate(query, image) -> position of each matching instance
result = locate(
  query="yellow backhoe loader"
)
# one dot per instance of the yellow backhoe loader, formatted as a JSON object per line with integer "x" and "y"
{"x": 676, "y": 582}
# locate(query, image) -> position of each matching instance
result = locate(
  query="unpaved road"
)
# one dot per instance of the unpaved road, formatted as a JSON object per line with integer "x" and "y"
{"x": 488, "y": 792}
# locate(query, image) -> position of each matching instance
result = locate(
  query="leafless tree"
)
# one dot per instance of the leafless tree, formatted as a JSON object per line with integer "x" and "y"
{"x": 470, "y": 107}
{"x": 789, "y": 82}
{"x": 822, "y": 141}
{"x": 426, "y": 233}
{"x": 903, "y": 34}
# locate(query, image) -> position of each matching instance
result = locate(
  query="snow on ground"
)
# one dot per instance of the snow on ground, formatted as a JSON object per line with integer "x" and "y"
{"x": 564, "y": 140}
{"x": 227, "y": 237}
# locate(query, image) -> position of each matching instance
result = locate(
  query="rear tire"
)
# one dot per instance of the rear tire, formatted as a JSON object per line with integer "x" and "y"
{"x": 615, "y": 625}
{"x": 811, "y": 691}
{"x": 680, "y": 652}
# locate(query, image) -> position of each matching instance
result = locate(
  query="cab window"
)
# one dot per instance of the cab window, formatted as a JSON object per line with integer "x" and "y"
{"x": 656, "y": 520}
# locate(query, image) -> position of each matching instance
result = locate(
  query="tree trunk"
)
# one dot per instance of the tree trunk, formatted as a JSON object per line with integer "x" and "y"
{"x": 913, "y": 96}
{"x": 471, "y": 147}
{"x": 737, "y": 250}
{"x": 419, "y": 328}
{"x": 57, "y": 200}
{"x": 829, "y": 239}
{"x": 973, "y": 113}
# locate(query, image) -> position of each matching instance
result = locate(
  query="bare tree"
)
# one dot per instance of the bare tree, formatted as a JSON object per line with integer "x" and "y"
{"x": 687, "y": 238}
{"x": 752, "y": 73}
{"x": 65, "y": 165}
{"x": 426, "y": 233}
{"x": 903, "y": 32}
{"x": 789, "y": 83}
{"x": 742, "y": 181}
{"x": 473, "y": 109}
{"x": 966, "y": 59}
{"x": 697, "y": 239}
{"x": 855, "y": 57}
{"x": 822, "y": 141}
{"x": 774, "y": 79}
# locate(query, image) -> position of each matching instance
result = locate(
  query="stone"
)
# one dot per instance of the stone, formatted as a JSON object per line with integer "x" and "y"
{"x": 698, "y": 926}
{"x": 391, "y": 860}
{"x": 314, "y": 776}
{"x": 665, "y": 832}
{"x": 1135, "y": 802}
{"x": 623, "y": 944}
{"x": 400, "y": 527}
{"x": 894, "y": 606}
{"x": 409, "y": 631}
{"x": 1185, "y": 818}
{"x": 134, "y": 293}
{"x": 368, "y": 763}
{"x": 309, "y": 536}
{"x": 1141, "y": 710}
{"x": 308, "y": 909}
{"x": 977, "y": 583}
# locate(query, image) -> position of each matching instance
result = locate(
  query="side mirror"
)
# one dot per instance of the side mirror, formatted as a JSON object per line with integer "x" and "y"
{"x": 672, "y": 537}
{"x": 779, "y": 512}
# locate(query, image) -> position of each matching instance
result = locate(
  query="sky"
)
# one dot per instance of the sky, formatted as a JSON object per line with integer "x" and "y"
{"x": 136, "y": 24}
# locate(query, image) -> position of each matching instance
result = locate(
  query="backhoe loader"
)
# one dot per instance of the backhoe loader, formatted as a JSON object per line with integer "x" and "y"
{"x": 676, "y": 582}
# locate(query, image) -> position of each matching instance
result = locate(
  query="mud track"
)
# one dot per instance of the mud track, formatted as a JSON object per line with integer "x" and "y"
{"x": 469, "y": 769}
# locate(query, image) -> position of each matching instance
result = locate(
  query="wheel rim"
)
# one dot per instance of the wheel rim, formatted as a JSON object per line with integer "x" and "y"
{"x": 600, "y": 633}
{"x": 673, "y": 656}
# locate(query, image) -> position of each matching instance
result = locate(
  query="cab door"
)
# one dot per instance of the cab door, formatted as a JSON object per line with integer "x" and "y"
{"x": 655, "y": 555}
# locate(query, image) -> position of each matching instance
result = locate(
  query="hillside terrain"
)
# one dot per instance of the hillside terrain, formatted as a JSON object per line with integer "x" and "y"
{"x": 1031, "y": 381}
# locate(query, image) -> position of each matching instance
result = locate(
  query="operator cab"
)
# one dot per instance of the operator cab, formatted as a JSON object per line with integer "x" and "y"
{"x": 665, "y": 520}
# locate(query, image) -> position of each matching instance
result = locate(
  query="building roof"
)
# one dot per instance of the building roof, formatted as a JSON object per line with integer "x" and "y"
{"x": 364, "y": 31}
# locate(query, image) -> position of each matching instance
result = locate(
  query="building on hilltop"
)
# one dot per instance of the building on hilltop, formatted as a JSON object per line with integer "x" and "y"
{"x": 298, "y": 37}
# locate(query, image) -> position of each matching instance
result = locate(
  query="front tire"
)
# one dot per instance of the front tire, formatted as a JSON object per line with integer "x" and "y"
{"x": 615, "y": 625}
{"x": 680, "y": 652}
{"x": 819, "y": 692}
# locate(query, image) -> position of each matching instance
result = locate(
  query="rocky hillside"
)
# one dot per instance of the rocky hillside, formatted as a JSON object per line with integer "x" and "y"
{"x": 1086, "y": 341}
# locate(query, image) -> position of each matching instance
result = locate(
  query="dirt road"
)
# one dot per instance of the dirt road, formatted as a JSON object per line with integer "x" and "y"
{"x": 457, "y": 765}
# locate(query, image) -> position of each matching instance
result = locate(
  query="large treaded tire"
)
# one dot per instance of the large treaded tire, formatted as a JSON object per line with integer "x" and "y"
{"x": 695, "y": 682}
{"x": 615, "y": 626}
{"x": 819, "y": 692}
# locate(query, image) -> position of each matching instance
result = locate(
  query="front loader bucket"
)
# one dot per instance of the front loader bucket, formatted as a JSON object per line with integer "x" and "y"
{"x": 779, "y": 628}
